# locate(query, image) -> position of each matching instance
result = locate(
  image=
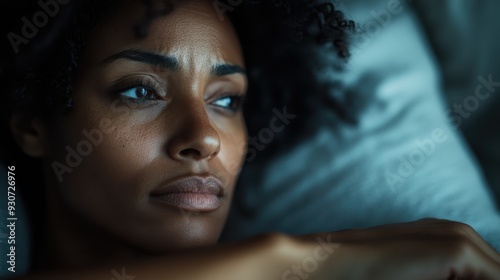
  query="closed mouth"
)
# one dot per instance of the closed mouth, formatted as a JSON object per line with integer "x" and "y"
{"x": 194, "y": 193}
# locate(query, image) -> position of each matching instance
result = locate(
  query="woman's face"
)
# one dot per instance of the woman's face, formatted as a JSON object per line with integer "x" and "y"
{"x": 151, "y": 152}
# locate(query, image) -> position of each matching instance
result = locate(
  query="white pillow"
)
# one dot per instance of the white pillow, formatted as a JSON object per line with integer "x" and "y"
{"x": 402, "y": 162}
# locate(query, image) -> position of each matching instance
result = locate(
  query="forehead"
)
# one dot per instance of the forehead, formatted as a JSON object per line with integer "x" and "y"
{"x": 193, "y": 28}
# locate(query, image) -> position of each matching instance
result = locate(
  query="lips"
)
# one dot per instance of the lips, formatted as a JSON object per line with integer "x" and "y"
{"x": 197, "y": 194}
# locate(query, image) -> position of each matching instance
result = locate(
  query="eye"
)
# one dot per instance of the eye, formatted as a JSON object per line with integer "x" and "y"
{"x": 232, "y": 102}
{"x": 141, "y": 90}
{"x": 137, "y": 93}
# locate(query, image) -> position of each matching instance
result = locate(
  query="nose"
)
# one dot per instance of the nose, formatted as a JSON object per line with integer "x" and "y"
{"x": 196, "y": 138}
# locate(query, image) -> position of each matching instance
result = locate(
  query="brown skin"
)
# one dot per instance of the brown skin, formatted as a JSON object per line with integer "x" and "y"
{"x": 422, "y": 250}
{"x": 184, "y": 130}
{"x": 102, "y": 210}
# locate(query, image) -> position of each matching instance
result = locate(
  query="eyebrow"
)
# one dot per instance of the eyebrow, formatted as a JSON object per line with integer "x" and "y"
{"x": 226, "y": 69}
{"x": 169, "y": 63}
{"x": 160, "y": 60}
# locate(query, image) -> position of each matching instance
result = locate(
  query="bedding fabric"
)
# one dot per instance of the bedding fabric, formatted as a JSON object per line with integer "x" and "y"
{"x": 464, "y": 37}
{"x": 405, "y": 159}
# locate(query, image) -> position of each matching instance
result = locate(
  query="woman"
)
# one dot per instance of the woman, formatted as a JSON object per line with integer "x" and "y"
{"x": 140, "y": 159}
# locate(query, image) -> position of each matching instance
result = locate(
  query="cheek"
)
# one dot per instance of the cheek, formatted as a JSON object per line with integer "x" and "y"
{"x": 110, "y": 186}
{"x": 119, "y": 138}
{"x": 233, "y": 149}
{"x": 105, "y": 157}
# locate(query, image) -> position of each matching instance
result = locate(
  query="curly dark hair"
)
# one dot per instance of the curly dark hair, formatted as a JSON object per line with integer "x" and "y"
{"x": 40, "y": 77}
{"x": 288, "y": 46}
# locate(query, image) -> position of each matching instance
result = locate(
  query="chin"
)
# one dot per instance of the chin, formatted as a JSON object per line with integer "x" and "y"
{"x": 175, "y": 235}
